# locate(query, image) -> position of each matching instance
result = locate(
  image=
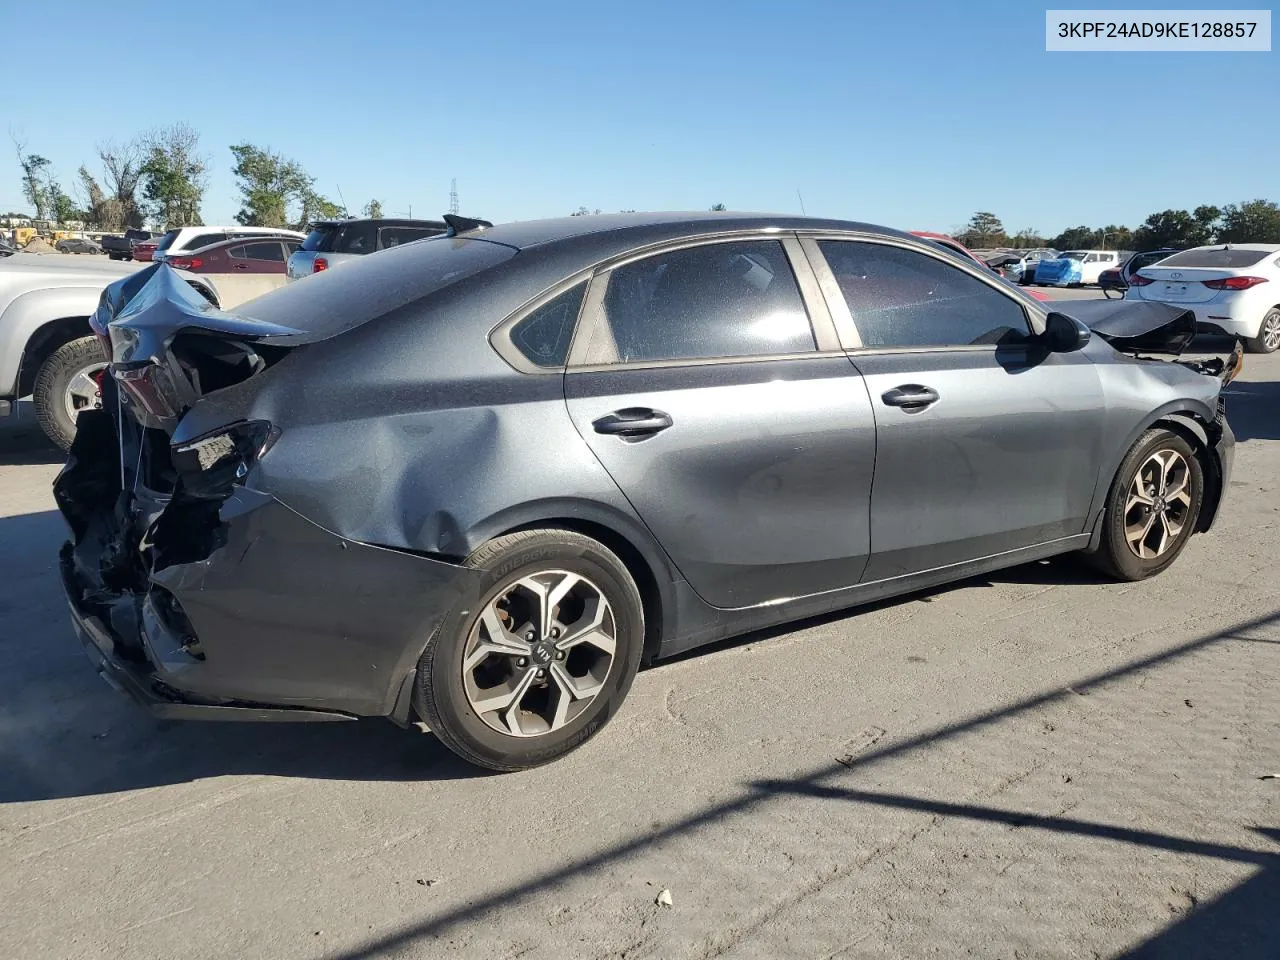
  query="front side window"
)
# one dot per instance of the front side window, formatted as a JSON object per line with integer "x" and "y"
{"x": 736, "y": 299}
{"x": 902, "y": 298}
{"x": 544, "y": 335}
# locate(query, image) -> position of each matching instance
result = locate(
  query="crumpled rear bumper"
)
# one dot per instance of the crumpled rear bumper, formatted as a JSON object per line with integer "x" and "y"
{"x": 240, "y": 609}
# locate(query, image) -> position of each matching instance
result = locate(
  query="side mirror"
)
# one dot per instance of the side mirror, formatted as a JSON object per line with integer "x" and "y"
{"x": 1063, "y": 334}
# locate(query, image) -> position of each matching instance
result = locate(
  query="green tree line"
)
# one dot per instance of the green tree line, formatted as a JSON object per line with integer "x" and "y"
{"x": 160, "y": 177}
{"x": 1251, "y": 221}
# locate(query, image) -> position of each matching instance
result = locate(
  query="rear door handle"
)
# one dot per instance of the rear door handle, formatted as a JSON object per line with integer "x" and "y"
{"x": 911, "y": 397}
{"x": 633, "y": 423}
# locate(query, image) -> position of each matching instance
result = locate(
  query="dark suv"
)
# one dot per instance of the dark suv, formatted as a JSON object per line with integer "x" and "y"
{"x": 330, "y": 242}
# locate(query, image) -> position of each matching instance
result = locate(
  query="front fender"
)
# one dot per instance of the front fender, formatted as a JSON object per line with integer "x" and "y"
{"x": 27, "y": 313}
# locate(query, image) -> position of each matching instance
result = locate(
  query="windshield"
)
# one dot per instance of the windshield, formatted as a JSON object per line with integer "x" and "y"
{"x": 320, "y": 238}
{"x": 1216, "y": 257}
{"x": 167, "y": 241}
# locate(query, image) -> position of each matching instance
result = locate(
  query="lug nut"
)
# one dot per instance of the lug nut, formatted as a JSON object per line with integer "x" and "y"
{"x": 522, "y": 662}
{"x": 541, "y": 674}
{"x": 559, "y": 654}
{"x": 529, "y": 636}
{"x": 555, "y": 632}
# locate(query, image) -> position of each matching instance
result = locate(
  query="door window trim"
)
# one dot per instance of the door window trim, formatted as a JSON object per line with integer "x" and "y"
{"x": 584, "y": 351}
{"x": 838, "y": 308}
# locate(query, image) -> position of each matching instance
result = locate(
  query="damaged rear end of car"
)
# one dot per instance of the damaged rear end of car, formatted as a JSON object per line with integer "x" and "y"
{"x": 193, "y": 588}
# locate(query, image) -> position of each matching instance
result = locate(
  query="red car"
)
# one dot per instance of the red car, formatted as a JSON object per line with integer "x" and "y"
{"x": 233, "y": 271}
{"x": 143, "y": 249}
{"x": 955, "y": 245}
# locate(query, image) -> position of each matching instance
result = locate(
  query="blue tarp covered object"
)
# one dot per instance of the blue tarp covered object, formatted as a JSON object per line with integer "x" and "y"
{"x": 1061, "y": 272}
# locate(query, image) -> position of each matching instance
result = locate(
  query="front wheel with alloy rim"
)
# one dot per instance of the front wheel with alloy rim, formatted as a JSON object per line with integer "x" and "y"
{"x": 66, "y": 385}
{"x": 539, "y": 658}
{"x": 1268, "y": 338}
{"x": 1152, "y": 508}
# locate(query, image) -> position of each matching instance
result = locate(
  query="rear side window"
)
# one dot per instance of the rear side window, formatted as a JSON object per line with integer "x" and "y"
{"x": 1216, "y": 257}
{"x": 901, "y": 298}
{"x": 394, "y": 236}
{"x": 355, "y": 238}
{"x": 263, "y": 250}
{"x": 718, "y": 300}
{"x": 320, "y": 239}
{"x": 544, "y": 335}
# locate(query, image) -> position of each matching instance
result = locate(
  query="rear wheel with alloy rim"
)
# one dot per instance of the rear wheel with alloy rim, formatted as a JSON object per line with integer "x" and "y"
{"x": 543, "y": 656}
{"x": 1268, "y": 338}
{"x": 1152, "y": 508}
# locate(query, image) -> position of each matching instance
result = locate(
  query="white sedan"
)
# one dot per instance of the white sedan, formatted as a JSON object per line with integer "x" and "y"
{"x": 1234, "y": 287}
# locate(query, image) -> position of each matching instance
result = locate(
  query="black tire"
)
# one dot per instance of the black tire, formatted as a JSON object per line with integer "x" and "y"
{"x": 1114, "y": 555}
{"x": 1258, "y": 344}
{"x": 440, "y": 696}
{"x": 115, "y": 256}
{"x": 54, "y": 376}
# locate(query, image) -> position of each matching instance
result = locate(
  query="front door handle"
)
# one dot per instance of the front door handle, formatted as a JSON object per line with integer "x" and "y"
{"x": 633, "y": 423}
{"x": 911, "y": 397}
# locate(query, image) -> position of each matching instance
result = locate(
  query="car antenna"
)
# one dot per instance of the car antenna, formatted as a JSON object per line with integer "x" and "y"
{"x": 458, "y": 224}
{"x": 345, "y": 209}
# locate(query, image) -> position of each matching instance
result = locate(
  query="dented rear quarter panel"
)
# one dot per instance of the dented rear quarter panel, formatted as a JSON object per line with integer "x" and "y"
{"x": 410, "y": 432}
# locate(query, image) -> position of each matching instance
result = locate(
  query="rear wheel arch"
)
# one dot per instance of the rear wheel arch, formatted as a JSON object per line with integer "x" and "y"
{"x": 654, "y": 587}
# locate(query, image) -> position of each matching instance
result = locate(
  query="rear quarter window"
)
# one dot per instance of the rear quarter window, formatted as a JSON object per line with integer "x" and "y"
{"x": 320, "y": 239}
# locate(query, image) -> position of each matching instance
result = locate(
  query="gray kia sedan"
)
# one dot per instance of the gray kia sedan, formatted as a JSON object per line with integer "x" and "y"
{"x": 476, "y": 480}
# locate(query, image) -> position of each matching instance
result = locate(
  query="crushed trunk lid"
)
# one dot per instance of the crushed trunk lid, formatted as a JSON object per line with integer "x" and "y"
{"x": 168, "y": 346}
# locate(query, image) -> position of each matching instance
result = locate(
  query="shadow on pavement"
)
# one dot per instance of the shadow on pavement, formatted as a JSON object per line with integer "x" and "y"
{"x": 1241, "y": 924}
{"x": 22, "y": 442}
{"x": 1245, "y": 918}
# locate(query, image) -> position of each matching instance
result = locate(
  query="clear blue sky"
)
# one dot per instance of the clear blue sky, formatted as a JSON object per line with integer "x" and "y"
{"x": 909, "y": 114}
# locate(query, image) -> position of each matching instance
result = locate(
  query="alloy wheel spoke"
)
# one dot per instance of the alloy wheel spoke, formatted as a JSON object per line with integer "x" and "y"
{"x": 1138, "y": 495}
{"x": 590, "y": 629}
{"x": 505, "y": 697}
{"x": 569, "y": 690}
{"x": 1172, "y": 528}
{"x": 496, "y": 640}
{"x": 1138, "y": 539}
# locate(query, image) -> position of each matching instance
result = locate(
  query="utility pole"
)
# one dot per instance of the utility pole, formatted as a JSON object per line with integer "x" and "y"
{"x": 453, "y": 196}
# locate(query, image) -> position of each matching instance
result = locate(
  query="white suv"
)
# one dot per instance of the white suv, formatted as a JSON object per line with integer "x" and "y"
{"x": 185, "y": 239}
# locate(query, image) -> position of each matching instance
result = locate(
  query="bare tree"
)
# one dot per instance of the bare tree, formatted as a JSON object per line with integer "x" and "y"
{"x": 123, "y": 166}
{"x": 103, "y": 211}
{"x": 33, "y": 174}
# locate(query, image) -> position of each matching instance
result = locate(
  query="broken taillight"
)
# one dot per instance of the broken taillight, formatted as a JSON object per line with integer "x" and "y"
{"x": 141, "y": 382}
{"x": 210, "y": 465}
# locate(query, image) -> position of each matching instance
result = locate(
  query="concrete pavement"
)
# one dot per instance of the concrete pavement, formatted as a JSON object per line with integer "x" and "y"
{"x": 1035, "y": 764}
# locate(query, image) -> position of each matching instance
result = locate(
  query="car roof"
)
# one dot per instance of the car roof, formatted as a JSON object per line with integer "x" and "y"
{"x": 1264, "y": 247}
{"x": 624, "y": 229}
{"x": 236, "y": 241}
{"x": 382, "y": 221}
